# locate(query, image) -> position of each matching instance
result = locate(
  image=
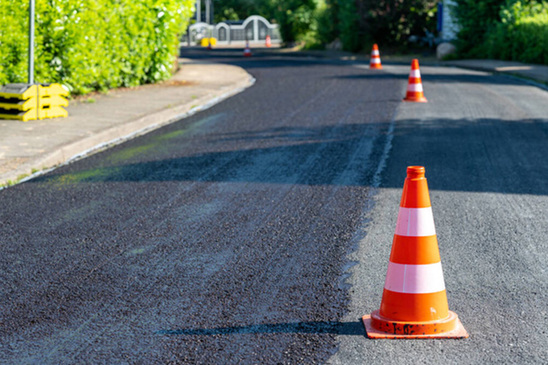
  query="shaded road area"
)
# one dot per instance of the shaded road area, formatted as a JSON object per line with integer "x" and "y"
{"x": 218, "y": 239}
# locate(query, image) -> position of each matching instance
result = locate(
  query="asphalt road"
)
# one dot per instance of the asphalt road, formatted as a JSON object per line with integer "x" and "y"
{"x": 483, "y": 140}
{"x": 258, "y": 231}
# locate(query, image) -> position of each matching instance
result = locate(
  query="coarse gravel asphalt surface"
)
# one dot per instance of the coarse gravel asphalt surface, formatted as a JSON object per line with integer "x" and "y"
{"x": 483, "y": 140}
{"x": 258, "y": 231}
{"x": 219, "y": 239}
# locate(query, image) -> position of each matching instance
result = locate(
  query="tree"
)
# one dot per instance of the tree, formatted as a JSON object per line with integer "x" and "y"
{"x": 393, "y": 21}
{"x": 476, "y": 19}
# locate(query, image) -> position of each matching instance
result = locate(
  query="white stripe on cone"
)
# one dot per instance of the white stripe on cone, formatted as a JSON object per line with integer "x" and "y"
{"x": 375, "y": 53}
{"x": 414, "y": 279}
{"x": 415, "y": 74}
{"x": 415, "y": 222}
{"x": 414, "y": 87}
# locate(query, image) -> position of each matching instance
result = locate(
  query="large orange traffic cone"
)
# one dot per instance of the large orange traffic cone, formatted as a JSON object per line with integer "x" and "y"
{"x": 375, "y": 61}
{"x": 268, "y": 41}
{"x": 414, "y": 86}
{"x": 414, "y": 301}
{"x": 247, "y": 50}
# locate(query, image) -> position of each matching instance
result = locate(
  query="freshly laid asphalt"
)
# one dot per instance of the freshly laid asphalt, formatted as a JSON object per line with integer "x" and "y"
{"x": 221, "y": 238}
{"x": 258, "y": 230}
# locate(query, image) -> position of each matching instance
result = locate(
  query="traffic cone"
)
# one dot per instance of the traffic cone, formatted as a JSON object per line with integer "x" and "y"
{"x": 414, "y": 301}
{"x": 268, "y": 41}
{"x": 375, "y": 62}
{"x": 414, "y": 87}
{"x": 209, "y": 43}
{"x": 247, "y": 51}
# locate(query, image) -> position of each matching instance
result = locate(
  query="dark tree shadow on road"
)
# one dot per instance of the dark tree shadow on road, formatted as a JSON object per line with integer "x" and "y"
{"x": 452, "y": 77}
{"x": 460, "y": 155}
{"x": 337, "y": 328}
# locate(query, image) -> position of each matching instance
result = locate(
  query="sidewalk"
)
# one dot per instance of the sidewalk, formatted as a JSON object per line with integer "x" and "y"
{"x": 537, "y": 73}
{"x": 100, "y": 120}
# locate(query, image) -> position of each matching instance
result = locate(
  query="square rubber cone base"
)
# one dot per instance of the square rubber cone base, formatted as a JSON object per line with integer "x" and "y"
{"x": 374, "y": 333}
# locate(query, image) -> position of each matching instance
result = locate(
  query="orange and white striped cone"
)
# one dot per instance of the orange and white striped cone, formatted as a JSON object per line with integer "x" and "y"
{"x": 414, "y": 301}
{"x": 375, "y": 62}
{"x": 414, "y": 87}
{"x": 268, "y": 41}
{"x": 247, "y": 50}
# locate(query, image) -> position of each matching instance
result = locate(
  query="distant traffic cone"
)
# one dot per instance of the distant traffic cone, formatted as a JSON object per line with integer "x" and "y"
{"x": 268, "y": 41}
{"x": 414, "y": 301}
{"x": 375, "y": 58}
{"x": 209, "y": 43}
{"x": 414, "y": 86}
{"x": 247, "y": 51}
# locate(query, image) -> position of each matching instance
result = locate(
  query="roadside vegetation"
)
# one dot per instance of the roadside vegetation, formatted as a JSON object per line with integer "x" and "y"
{"x": 91, "y": 45}
{"x": 96, "y": 45}
{"x": 499, "y": 29}
{"x": 503, "y": 29}
{"x": 354, "y": 24}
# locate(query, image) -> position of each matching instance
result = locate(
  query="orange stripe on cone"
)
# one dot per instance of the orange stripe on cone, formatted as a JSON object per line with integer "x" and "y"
{"x": 414, "y": 86}
{"x": 375, "y": 62}
{"x": 414, "y": 302}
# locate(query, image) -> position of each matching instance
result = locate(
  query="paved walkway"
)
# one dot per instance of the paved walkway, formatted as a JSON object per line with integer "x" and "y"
{"x": 101, "y": 120}
{"x": 538, "y": 73}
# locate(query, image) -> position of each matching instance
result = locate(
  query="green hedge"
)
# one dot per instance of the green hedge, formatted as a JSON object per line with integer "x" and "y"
{"x": 509, "y": 30}
{"x": 522, "y": 33}
{"x": 360, "y": 23}
{"x": 93, "y": 44}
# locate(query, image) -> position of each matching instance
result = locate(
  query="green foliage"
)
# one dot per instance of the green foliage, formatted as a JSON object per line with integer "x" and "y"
{"x": 359, "y": 23}
{"x": 293, "y": 16}
{"x": 392, "y": 22}
{"x": 475, "y": 19}
{"x": 237, "y": 9}
{"x": 93, "y": 44}
{"x": 349, "y": 25}
{"x": 518, "y": 31}
{"x": 521, "y": 34}
{"x": 327, "y": 21}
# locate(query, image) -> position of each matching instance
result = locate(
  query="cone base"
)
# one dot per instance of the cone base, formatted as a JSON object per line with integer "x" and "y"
{"x": 416, "y": 100}
{"x": 378, "y": 67}
{"x": 413, "y": 330}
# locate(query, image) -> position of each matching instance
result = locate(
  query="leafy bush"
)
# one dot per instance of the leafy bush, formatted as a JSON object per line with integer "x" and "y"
{"x": 93, "y": 44}
{"x": 392, "y": 22}
{"x": 327, "y": 21}
{"x": 359, "y": 23}
{"x": 349, "y": 26}
{"x": 521, "y": 34}
{"x": 509, "y": 30}
{"x": 475, "y": 19}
